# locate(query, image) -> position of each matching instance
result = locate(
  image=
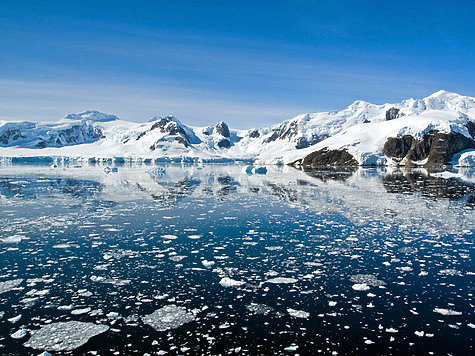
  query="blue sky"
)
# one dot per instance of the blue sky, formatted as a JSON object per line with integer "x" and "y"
{"x": 250, "y": 63}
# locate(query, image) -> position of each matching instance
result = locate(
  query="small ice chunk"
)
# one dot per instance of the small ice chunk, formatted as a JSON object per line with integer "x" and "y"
{"x": 419, "y": 333}
{"x": 447, "y": 311}
{"x": 298, "y": 313}
{"x": 12, "y": 239}
{"x": 391, "y": 330}
{"x": 66, "y": 307}
{"x": 208, "y": 263}
{"x": 168, "y": 317}
{"x": 194, "y": 237}
{"x": 112, "y": 315}
{"x": 332, "y": 303}
{"x": 15, "y": 319}
{"x": 292, "y": 347}
{"x": 169, "y": 237}
{"x": 360, "y": 286}
{"x": 98, "y": 279}
{"x": 64, "y": 336}
{"x": 229, "y": 282}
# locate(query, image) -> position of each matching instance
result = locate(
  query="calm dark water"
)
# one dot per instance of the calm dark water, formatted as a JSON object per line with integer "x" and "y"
{"x": 290, "y": 262}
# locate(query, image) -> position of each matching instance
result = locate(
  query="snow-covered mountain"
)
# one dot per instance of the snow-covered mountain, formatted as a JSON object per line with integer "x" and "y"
{"x": 432, "y": 131}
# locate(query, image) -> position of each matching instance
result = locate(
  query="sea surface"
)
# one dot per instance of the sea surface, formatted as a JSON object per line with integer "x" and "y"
{"x": 175, "y": 259}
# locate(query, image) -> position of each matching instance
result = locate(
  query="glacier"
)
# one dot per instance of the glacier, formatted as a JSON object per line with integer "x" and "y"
{"x": 402, "y": 133}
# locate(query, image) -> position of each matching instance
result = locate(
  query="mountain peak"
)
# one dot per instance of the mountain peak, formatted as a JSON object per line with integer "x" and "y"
{"x": 443, "y": 95}
{"x": 91, "y": 115}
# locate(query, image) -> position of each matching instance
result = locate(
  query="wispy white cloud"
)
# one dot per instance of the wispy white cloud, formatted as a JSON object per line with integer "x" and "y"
{"x": 49, "y": 101}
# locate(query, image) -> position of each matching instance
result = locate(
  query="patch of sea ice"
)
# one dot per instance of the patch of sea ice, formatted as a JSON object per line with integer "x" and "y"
{"x": 168, "y": 317}
{"x": 64, "y": 336}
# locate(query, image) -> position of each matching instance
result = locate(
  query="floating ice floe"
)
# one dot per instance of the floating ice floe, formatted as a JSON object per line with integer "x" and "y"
{"x": 12, "y": 239}
{"x": 259, "y": 309}
{"x": 282, "y": 280}
{"x": 15, "y": 319}
{"x": 447, "y": 311}
{"x": 7, "y": 286}
{"x": 169, "y": 237}
{"x": 208, "y": 263}
{"x": 360, "y": 286}
{"x": 66, "y": 307}
{"x": 45, "y": 353}
{"x": 194, "y": 237}
{"x": 292, "y": 347}
{"x": 81, "y": 311}
{"x": 19, "y": 334}
{"x": 298, "y": 313}
{"x": 229, "y": 282}
{"x": 368, "y": 279}
{"x": 168, "y": 317}
{"x": 64, "y": 336}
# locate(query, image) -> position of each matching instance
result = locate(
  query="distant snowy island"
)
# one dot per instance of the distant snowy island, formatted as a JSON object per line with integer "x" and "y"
{"x": 434, "y": 131}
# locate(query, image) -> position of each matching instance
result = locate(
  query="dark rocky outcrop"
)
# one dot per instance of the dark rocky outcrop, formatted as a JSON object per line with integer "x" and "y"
{"x": 437, "y": 147}
{"x": 222, "y": 129}
{"x": 174, "y": 130}
{"x": 254, "y": 133}
{"x": 471, "y": 128}
{"x": 224, "y": 143}
{"x": 393, "y": 113}
{"x": 329, "y": 158}
{"x": 303, "y": 142}
{"x": 10, "y": 135}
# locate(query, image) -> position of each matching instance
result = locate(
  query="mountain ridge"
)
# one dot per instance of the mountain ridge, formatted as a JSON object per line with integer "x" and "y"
{"x": 362, "y": 129}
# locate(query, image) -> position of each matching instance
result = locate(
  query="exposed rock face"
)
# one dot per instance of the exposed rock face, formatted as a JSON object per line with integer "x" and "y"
{"x": 10, "y": 135}
{"x": 285, "y": 131}
{"x": 222, "y": 129}
{"x": 38, "y": 136}
{"x": 393, "y": 113}
{"x": 471, "y": 128}
{"x": 254, "y": 134}
{"x": 437, "y": 147}
{"x": 303, "y": 142}
{"x": 329, "y": 158}
{"x": 173, "y": 129}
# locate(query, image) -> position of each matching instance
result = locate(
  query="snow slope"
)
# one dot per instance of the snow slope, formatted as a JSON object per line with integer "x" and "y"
{"x": 362, "y": 129}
